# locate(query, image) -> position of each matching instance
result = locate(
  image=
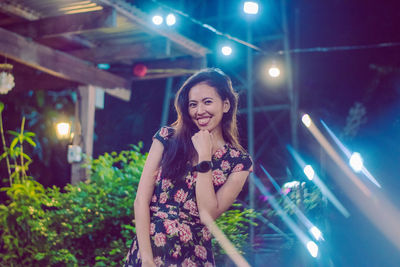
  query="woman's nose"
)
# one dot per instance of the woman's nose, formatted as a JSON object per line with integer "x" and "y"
{"x": 200, "y": 109}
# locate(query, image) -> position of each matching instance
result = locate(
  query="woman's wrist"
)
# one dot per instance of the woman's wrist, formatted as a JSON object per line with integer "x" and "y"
{"x": 204, "y": 158}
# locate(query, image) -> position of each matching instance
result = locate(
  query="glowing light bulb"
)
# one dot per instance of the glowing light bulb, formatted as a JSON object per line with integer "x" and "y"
{"x": 226, "y": 50}
{"x": 157, "y": 20}
{"x": 356, "y": 162}
{"x": 312, "y": 248}
{"x": 306, "y": 120}
{"x": 250, "y": 7}
{"x": 171, "y": 20}
{"x": 309, "y": 171}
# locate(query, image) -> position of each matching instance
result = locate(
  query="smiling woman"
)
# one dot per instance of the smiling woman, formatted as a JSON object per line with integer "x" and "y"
{"x": 195, "y": 170}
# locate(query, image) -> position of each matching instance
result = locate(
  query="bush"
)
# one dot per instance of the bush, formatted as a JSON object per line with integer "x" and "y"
{"x": 88, "y": 225}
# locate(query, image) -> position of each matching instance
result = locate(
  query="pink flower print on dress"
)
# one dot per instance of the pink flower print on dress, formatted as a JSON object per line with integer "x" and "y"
{"x": 188, "y": 263}
{"x": 163, "y": 197}
{"x": 189, "y": 181}
{"x": 238, "y": 168}
{"x": 152, "y": 228}
{"x": 234, "y": 153}
{"x": 164, "y": 133}
{"x": 192, "y": 207}
{"x": 200, "y": 252}
{"x": 159, "y": 240}
{"x": 185, "y": 234}
{"x": 208, "y": 264}
{"x": 177, "y": 251}
{"x": 154, "y": 208}
{"x": 225, "y": 165}
{"x": 206, "y": 233}
{"x": 161, "y": 214}
{"x": 158, "y": 261}
{"x": 218, "y": 177}
{"x": 220, "y": 152}
{"x": 171, "y": 227}
{"x": 166, "y": 183}
{"x": 182, "y": 215}
{"x": 180, "y": 196}
{"x": 154, "y": 198}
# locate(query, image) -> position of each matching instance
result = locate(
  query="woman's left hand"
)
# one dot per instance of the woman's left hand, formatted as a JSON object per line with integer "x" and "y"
{"x": 202, "y": 142}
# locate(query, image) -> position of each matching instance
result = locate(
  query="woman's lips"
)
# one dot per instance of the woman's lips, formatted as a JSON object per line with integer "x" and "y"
{"x": 203, "y": 121}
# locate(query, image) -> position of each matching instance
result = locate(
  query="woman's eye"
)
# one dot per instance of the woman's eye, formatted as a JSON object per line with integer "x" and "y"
{"x": 192, "y": 105}
{"x": 208, "y": 102}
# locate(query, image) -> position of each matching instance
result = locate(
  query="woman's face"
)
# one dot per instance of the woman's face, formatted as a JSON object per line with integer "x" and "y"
{"x": 206, "y": 107}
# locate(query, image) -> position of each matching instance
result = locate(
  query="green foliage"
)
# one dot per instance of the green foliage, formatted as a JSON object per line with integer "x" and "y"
{"x": 234, "y": 223}
{"x": 90, "y": 224}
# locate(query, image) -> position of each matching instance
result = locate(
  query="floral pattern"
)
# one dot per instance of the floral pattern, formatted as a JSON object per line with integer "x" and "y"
{"x": 177, "y": 236}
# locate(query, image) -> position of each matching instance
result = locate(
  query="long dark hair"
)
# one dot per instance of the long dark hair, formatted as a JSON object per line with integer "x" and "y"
{"x": 180, "y": 151}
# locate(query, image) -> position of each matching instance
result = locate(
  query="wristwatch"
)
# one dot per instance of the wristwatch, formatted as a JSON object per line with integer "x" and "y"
{"x": 203, "y": 166}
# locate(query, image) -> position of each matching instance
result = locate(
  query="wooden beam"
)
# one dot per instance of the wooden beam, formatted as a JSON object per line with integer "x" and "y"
{"x": 137, "y": 51}
{"x": 172, "y": 68}
{"x": 56, "y": 63}
{"x": 139, "y": 17}
{"x": 19, "y": 11}
{"x": 65, "y": 24}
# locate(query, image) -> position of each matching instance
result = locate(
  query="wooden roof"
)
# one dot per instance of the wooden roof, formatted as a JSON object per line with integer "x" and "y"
{"x": 68, "y": 38}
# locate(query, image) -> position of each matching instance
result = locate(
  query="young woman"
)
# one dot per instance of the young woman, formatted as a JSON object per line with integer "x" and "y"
{"x": 195, "y": 168}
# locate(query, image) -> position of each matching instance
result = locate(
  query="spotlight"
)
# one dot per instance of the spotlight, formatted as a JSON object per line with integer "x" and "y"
{"x": 157, "y": 20}
{"x": 312, "y": 248}
{"x": 250, "y": 7}
{"x": 316, "y": 233}
{"x": 356, "y": 162}
{"x": 274, "y": 71}
{"x": 309, "y": 171}
{"x": 171, "y": 20}
{"x": 306, "y": 120}
{"x": 226, "y": 50}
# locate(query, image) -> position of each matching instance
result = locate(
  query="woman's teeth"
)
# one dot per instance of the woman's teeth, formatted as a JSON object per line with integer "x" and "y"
{"x": 203, "y": 121}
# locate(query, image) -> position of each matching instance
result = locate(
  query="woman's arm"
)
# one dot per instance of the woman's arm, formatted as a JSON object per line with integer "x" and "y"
{"x": 209, "y": 202}
{"x": 213, "y": 203}
{"x": 143, "y": 198}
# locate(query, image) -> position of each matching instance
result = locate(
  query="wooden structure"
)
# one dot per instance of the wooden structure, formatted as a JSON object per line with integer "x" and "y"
{"x": 54, "y": 44}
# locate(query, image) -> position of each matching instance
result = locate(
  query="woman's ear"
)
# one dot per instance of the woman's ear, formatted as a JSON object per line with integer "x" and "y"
{"x": 227, "y": 105}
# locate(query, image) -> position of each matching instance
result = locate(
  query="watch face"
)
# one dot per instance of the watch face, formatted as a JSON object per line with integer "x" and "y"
{"x": 204, "y": 166}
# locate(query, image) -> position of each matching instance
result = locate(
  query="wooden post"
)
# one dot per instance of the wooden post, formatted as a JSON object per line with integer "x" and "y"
{"x": 84, "y": 134}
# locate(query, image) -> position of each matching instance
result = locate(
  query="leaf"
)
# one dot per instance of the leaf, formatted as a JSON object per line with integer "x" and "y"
{"x": 30, "y": 134}
{"x": 1, "y": 107}
{"x": 13, "y": 132}
{"x": 13, "y": 143}
{"x": 30, "y": 141}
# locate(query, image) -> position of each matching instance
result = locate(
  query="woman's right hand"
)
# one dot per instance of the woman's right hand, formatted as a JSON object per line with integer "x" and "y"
{"x": 148, "y": 263}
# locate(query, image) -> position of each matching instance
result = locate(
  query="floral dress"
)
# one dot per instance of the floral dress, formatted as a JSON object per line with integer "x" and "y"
{"x": 177, "y": 236}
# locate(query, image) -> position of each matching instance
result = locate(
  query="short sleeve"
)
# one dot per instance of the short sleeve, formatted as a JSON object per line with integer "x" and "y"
{"x": 164, "y": 134}
{"x": 242, "y": 163}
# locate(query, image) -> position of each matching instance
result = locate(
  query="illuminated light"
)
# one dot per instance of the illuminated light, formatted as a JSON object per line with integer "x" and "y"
{"x": 306, "y": 120}
{"x": 250, "y": 7}
{"x": 63, "y": 130}
{"x": 316, "y": 233}
{"x": 78, "y": 7}
{"x": 309, "y": 171}
{"x": 312, "y": 248}
{"x": 226, "y": 50}
{"x": 274, "y": 72}
{"x": 103, "y": 66}
{"x": 84, "y": 10}
{"x": 171, "y": 20}
{"x": 157, "y": 20}
{"x": 356, "y": 162}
